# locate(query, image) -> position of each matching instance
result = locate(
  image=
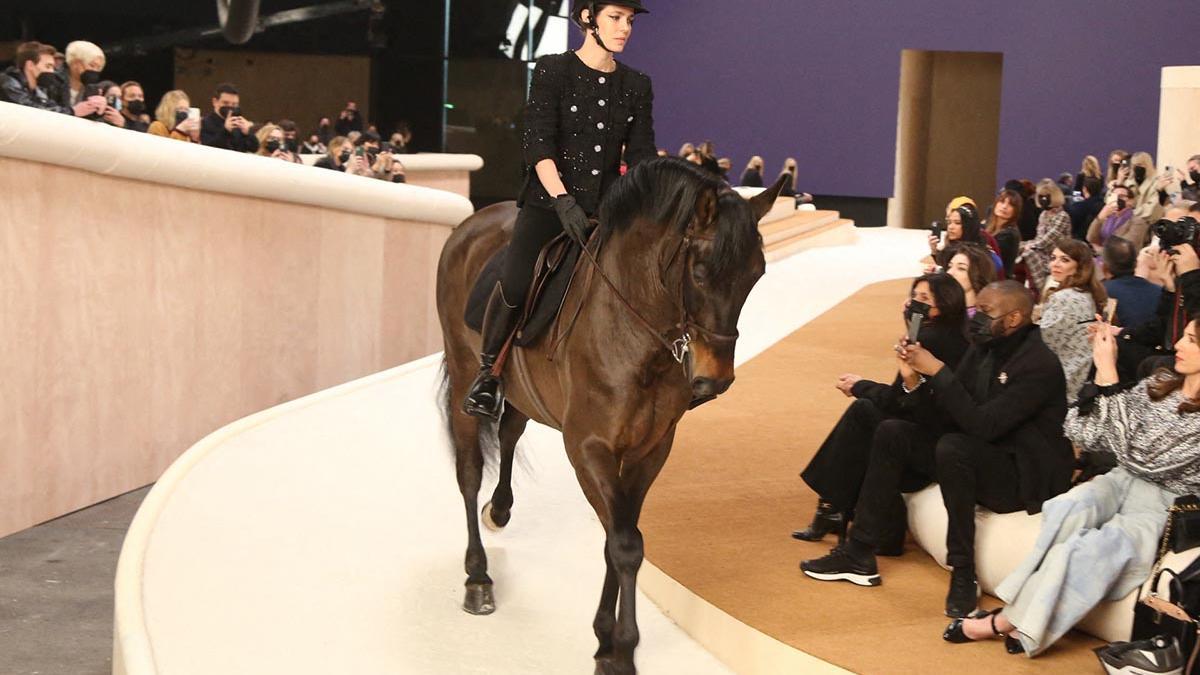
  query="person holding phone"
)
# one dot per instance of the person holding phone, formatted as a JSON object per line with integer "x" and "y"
{"x": 225, "y": 127}
{"x": 172, "y": 118}
{"x": 936, "y": 309}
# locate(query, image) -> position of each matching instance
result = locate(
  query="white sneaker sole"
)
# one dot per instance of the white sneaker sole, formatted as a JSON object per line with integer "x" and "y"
{"x": 857, "y": 579}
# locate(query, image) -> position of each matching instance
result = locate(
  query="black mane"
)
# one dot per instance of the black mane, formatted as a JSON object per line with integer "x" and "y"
{"x": 665, "y": 190}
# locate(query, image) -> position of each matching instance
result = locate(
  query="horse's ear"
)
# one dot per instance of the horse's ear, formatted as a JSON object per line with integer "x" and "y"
{"x": 706, "y": 209}
{"x": 762, "y": 203}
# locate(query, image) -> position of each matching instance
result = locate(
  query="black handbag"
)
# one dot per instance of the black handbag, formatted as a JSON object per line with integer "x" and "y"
{"x": 1157, "y": 615}
{"x": 1183, "y": 524}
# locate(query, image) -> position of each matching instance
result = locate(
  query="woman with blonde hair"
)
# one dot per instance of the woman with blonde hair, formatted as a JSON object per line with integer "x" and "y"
{"x": 752, "y": 176}
{"x": 1145, "y": 175}
{"x": 1069, "y": 307}
{"x": 1119, "y": 172}
{"x": 1089, "y": 169}
{"x": 1054, "y": 224}
{"x": 271, "y": 144}
{"x": 789, "y": 169}
{"x": 171, "y": 118}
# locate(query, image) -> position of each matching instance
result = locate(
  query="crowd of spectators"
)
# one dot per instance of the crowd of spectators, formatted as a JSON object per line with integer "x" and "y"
{"x": 1077, "y": 397}
{"x": 72, "y": 84}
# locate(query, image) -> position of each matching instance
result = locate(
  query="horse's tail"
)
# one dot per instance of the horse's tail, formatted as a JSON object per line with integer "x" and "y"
{"x": 489, "y": 442}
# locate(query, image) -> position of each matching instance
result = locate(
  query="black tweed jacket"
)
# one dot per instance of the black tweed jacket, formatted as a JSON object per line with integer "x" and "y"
{"x": 585, "y": 120}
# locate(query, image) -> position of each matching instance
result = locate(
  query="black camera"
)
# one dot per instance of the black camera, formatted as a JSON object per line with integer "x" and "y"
{"x": 1172, "y": 233}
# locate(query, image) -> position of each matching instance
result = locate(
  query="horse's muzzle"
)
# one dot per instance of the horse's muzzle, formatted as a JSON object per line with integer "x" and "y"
{"x": 706, "y": 387}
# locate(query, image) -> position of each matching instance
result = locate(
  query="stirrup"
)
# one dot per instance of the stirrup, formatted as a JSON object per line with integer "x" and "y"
{"x": 472, "y": 405}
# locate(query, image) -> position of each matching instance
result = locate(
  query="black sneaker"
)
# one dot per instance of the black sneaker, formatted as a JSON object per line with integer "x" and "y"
{"x": 840, "y": 565}
{"x": 964, "y": 593}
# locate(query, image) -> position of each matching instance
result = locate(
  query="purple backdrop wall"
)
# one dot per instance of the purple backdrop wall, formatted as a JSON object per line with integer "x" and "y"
{"x": 819, "y": 79}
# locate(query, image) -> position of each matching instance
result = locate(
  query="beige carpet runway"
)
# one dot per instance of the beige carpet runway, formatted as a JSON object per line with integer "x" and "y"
{"x": 718, "y": 519}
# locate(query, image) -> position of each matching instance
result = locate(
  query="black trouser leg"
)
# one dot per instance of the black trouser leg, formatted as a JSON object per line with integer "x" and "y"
{"x": 837, "y": 471}
{"x": 900, "y": 450}
{"x": 970, "y": 472}
{"x": 535, "y": 227}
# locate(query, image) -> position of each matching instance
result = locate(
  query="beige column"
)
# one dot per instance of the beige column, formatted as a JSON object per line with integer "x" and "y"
{"x": 1179, "y": 116}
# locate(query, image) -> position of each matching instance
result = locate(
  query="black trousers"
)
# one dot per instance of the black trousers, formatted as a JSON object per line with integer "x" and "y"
{"x": 901, "y": 459}
{"x": 969, "y": 472}
{"x": 535, "y": 227}
{"x": 838, "y": 469}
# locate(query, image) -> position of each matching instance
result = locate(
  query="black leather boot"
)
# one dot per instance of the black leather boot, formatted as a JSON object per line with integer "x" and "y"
{"x": 963, "y": 596}
{"x": 486, "y": 396}
{"x": 827, "y": 519}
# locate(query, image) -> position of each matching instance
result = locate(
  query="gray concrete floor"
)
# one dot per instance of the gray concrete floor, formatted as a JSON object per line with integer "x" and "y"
{"x": 56, "y": 591}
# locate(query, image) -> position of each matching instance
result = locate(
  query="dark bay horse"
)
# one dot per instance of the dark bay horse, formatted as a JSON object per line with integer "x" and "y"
{"x": 681, "y": 254}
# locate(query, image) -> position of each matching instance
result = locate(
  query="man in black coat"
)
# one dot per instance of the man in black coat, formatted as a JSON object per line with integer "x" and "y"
{"x": 225, "y": 127}
{"x": 1006, "y": 403}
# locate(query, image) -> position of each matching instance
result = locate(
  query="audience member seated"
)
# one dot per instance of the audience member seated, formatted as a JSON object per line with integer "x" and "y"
{"x": 971, "y": 266}
{"x": 686, "y": 150}
{"x": 337, "y": 155}
{"x": 1089, "y": 169}
{"x": 752, "y": 176}
{"x": 313, "y": 146}
{"x": 171, "y": 118}
{"x": 1029, "y": 209}
{"x": 1083, "y": 212}
{"x": 790, "y": 186}
{"x": 726, "y": 165}
{"x": 1003, "y": 224}
{"x": 291, "y": 135}
{"x": 31, "y": 81}
{"x": 1189, "y": 183}
{"x": 1070, "y": 304}
{"x": 1145, "y": 179}
{"x": 325, "y": 131}
{"x": 1004, "y": 408}
{"x": 225, "y": 127}
{"x": 85, "y": 61}
{"x": 837, "y": 471}
{"x": 1053, "y": 224}
{"x": 1117, "y": 218}
{"x": 1137, "y": 299}
{"x": 401, "y": 139}
{"x": 348, "y": 120}
{"x": 1066, "y": 183}
{"x": 962, "y": 225}
{"x": 272, "y": 142}
{"x": 111, "y": 113}
{"x": 1119, "y": 170}
{"x": 133, "y": 107}
{"x": 1100, "y": 540}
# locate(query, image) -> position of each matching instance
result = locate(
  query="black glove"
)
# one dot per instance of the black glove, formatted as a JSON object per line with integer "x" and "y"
{"x": 574, "y": 221}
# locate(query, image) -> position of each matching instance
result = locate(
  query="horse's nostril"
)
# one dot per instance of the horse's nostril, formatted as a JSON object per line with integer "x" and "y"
{"x": 703, "y": 386}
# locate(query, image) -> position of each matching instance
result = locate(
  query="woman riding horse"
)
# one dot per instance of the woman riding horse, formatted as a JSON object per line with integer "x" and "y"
{"x": 584, "y": 108}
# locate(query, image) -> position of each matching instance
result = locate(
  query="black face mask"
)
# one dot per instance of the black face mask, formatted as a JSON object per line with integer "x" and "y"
{"x": 1139, "y": 173}
{"x": 1120, "y": 204}
{"x": 916, "y": 307}
{"x": 226, "y": 110}
{"x": 180, "y": 116}
{"x": 136, "y": 107}
{"x": 1044, "y": 201}
{"x": 89, "y": 77}
{"x": 344, "y": 157}
{"x": 981, "y": 329}
{"x": 47, "y": 81}
{"x": 271, "y": 145}
{"x": 1195, "y": 175}
{"x": 291, "y": 144}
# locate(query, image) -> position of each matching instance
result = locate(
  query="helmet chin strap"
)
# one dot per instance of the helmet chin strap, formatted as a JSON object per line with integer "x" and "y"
{"x": 596, "y": 28}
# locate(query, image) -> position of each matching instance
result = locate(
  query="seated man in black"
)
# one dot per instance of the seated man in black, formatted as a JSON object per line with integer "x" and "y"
{"x": 837, "y": 469}
{"x": 1007, "y": 403}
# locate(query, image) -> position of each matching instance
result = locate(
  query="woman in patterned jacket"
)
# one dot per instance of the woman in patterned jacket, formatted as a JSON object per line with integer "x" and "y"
{"x": 1069, "y": 308}
{"x": 1053, "y": 224}
{"x": 586, "y": 112}
{"x": 1099, "y": 541}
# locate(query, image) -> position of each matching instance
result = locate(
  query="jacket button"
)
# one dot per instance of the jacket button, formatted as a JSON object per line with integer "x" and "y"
{"x": 601, "y": 103}
{"x": 595, "y": 172}
{"x": 574, "y": 108}
{"x": 630, "y": 119}
{"x": 603, "y": 80}
{"x": 600, "y": 125}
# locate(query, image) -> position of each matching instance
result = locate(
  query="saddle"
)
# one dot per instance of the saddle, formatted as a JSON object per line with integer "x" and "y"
{"x": 553, "y": 275}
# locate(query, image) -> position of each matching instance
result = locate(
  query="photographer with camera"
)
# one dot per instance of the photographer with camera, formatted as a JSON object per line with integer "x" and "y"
{"x": 348, "y": 120}
{"x": 173, "y": 118}
{"x": 1119, "y": 170}
{"x": 1175, "y": 186}
{"x": 31, "y": 81}
{"x": 225, "y": 127}
{"x": 272, "y": 142}
{"x": 133, "y": 107}
{"x": 111, "y": 112}
{"x": 364, "y": 155}
{"x": 337, "y": 154}
{"x": 1117, "y": 218}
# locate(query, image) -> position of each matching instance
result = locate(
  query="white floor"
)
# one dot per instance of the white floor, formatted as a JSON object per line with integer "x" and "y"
{"x": 327, "y": 535}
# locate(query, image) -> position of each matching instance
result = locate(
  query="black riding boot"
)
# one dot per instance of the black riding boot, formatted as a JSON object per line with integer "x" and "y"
{"x": 827, "y": 519}
{"x": 487, "y": 391}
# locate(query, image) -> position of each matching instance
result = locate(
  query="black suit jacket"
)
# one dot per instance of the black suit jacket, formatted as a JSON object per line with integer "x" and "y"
{"x": 213, "y": 133}
{"x": 583, "y": 119}
{"x": 1022, "y": 412}
{"x": 947, "y": 343}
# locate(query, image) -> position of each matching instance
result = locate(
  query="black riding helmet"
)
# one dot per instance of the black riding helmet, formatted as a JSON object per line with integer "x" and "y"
{"x": 580, "y": 5}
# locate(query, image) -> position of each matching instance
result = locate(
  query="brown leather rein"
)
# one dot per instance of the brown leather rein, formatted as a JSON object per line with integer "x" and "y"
{"x": 680, "y": 347}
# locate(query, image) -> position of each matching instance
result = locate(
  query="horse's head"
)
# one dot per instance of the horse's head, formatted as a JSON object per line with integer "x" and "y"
{"x": 724, "y": 259}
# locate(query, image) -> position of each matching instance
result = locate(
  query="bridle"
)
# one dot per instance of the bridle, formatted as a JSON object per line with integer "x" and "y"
{"x": 681, "y": 346}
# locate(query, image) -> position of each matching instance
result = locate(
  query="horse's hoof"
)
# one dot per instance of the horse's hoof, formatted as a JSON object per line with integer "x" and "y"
{"x": 492, "y": 520}
{"x": 479, "y": 600}
{"x": 607, "y": 665}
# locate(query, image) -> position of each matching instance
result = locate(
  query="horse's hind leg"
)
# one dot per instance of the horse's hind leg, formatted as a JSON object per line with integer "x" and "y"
{"x": 469, "y": 461}
{"x": 497, "y": 512}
